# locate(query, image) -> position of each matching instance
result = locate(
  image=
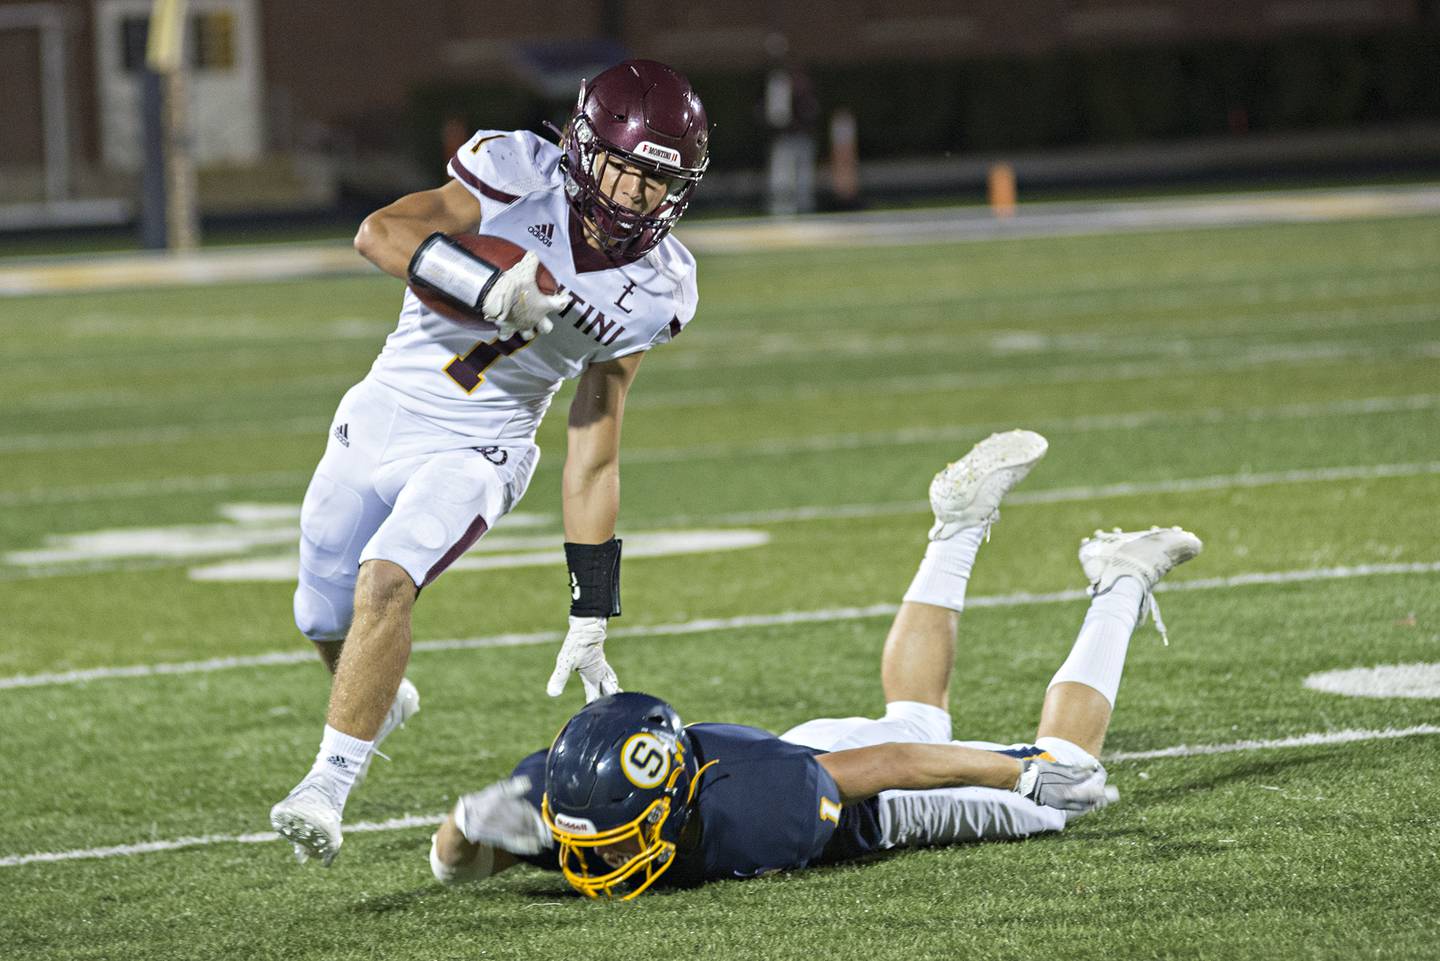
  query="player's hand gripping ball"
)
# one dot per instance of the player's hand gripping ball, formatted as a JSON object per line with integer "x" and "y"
{"x": 508, "y": 297}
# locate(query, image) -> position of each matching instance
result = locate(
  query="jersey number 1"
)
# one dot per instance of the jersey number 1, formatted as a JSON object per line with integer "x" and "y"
{"x": 469, "y": 371}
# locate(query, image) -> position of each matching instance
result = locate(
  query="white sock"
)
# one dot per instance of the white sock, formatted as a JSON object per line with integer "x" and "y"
{"x": 945, "y": 571}
{"x": 1066, "y": 752}
{"x": 339, "y": 760}
{"x": 1098, "y": 657}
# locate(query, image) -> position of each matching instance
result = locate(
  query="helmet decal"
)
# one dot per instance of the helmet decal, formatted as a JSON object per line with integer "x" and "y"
{"x": 645, "y": 760}
{"x": 575, "y": 825}
{"x": 654, "y": 151}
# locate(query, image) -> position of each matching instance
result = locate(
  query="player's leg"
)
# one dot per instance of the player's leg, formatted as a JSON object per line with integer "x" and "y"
{"x": 376, "y": 651}
{"x": 368, "y": 690}
{"x": 920, "y": 648}
{"x": 1123, "y": 568}
{"x": 919, "y": 651}
{"x": 341, "y": 513}
{"x": 442, "y": 504}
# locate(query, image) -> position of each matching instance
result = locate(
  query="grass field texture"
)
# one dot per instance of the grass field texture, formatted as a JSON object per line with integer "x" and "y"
{"x": 1275, "y": 389}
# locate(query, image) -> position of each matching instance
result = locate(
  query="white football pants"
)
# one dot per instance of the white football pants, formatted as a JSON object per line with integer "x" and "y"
{"x": 396, "y": 486}
{"x": 944, "y": 815}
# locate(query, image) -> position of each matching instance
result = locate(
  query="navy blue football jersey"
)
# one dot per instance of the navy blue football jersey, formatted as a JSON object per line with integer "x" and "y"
{"x": 766, "y": 806}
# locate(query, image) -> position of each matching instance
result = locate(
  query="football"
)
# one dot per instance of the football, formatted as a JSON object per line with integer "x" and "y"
{"x": 498, "y": 251}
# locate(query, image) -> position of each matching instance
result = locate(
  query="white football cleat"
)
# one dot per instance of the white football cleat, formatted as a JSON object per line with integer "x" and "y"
{"x": 968, "y": 492}
{"x": 405, "y": 706}
{"x": 1146, "y": 556}
{"x": 310, "y": 819}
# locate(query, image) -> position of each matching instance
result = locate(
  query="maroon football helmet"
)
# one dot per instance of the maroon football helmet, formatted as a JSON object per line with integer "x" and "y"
{"x": 642, "y": 114}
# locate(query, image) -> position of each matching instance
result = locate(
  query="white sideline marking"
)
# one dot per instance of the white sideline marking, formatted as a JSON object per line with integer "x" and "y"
{"x": 748, "y": 235}
{"x": 1385, "y": 680}
{"x": 824, "y": 615}
{"x": 1348, "y": 736}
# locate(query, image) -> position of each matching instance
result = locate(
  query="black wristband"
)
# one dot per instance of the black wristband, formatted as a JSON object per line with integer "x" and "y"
{"x": 594, "y": 578}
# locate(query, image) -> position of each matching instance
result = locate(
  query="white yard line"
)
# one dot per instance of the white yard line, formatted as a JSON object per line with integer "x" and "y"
{"x": 1276, "y": 355}
{"x": 713, "y": 343}
{"x": 1062, "y": 495}
{"x": 775, "y": 516}
{"x": 824, "y": 615}
{"x": 1270, "y": 302}
{"x": 176, "y": 433}
{"x": 780, "y": 447}
{"x": 1314, "y": 739}
{"x": 199, "y": 484}
{"x": 1348, "y": 736}
{"x": 786, "y": 387}
{"x": 158, "y": 434}
{"x": 204, "y": 840}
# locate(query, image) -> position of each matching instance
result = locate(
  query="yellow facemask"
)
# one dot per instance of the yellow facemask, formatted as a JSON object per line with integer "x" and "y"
{"x": 655, "y": 856}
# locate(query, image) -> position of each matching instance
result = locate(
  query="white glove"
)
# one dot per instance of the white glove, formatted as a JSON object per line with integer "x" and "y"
{"x": 584, "y": 651}
{"x": 516, "y": 304}
{"x": 500, "y": 816}
{"x": 1069, "y": 787}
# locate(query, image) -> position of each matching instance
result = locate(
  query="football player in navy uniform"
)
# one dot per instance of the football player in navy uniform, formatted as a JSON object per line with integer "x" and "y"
{"x": 437, "y": 443}
{"x": 627, "y": 796}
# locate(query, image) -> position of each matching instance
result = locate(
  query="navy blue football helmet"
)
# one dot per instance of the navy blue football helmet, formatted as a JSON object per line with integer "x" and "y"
{"x": 618, "y": 782}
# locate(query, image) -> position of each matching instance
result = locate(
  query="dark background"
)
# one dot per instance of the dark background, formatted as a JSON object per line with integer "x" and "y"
{"x": 1285, "y": 89}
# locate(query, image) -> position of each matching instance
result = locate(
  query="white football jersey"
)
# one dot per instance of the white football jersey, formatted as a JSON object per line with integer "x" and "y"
{"x": 499, "y": 391}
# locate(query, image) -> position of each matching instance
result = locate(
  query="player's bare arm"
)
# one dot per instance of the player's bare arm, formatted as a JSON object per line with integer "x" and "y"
{"x": 863, "y": 772}
{"x": 412, "y": 239}
{"x": 388, "y": 237}
{"x": 591, "y": 484}
{"x": 591, "y": 495}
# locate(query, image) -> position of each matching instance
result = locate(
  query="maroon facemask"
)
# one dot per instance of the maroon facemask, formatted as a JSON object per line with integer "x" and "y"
{"x": 643, "y": 115}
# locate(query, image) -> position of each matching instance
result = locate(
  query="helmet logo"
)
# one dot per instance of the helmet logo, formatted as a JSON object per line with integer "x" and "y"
{"x": 575, "y": 825}
{"x": 654, "y": 151}
{"x": 645, "y": 760}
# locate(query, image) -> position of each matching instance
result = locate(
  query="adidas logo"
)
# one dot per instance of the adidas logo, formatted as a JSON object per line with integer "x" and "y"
{"x": 544, "y": 233}
{"x": 337, "y": 760}
{"x": 342, "y": 434}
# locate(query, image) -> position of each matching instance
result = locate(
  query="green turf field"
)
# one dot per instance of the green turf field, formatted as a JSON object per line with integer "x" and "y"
{"x": 1275, "y": 389}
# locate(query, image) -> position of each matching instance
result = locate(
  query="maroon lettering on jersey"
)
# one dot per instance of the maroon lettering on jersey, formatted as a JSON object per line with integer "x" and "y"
{"x": 594, "y": 324}
{"x": 620, "y": 301}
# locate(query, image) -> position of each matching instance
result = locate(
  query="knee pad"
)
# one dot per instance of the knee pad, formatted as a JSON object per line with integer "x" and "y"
{"x": 330, "y": 522}
{"x": 323, "y": 609}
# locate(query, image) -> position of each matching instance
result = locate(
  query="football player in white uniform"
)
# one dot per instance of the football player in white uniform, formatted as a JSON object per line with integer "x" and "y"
{"x": 437, "y": 443}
